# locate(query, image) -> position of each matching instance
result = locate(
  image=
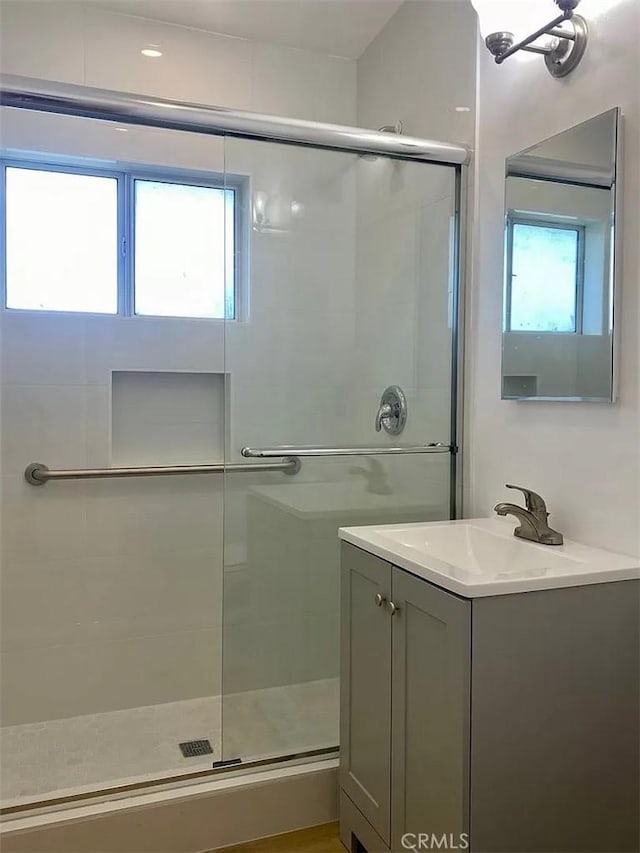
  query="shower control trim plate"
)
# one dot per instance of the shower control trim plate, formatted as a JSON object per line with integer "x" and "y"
{"x": 392, "y": 411}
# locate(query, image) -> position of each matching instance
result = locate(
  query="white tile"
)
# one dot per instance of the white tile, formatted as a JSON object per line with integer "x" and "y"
{"x": 196, "y": 67}
{"x": 26, "y": 132}
{"x": 43, "y": 348}
{"x": 145, "y": 343}
{"x": 259, "y": 656}
{"x": 43, "y": 423}
{"x": 92, "y": 600}
{"x": 45, "y": 602}
{"x": 386, "y": 187}
{"x": 388, "y": 285}
{"x": 405, "y": 73}
{"x": 51, "y": 682}
{"x": 98, "y": 426}
{"x": 434, "y": 305}
{"x": 160, "y": 594}
{"x": 42, "y": 522}
{"x": 153, "y": 515}
{"x": 43, "y": 40}
{"x": 303, "y": 84}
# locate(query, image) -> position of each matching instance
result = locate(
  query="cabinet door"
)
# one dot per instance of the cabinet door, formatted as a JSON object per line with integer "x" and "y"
{"x": 365, "y": 686}
{"x": 430, "y": 737}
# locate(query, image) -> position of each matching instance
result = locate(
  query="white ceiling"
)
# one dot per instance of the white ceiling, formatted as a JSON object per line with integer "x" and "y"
{"x": 339, "y": 27}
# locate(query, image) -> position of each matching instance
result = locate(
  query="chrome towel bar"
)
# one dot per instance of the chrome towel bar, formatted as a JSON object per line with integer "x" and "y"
{"x": 309, "y": 450}
{"x": 38, "y": 474}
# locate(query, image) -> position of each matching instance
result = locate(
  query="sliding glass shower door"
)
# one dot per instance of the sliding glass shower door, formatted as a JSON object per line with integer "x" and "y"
{"x": 160, "y": 615}
{"x": 344, "y": 282}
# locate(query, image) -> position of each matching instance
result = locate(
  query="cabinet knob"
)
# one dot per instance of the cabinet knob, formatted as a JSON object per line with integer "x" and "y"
{"x": 393, "y": 608}
{"x": 379, "y": 599}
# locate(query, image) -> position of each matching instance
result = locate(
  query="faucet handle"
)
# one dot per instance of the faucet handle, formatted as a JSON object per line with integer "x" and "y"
{"x": 534, "y": 502}
{"x": 385, "y": 411}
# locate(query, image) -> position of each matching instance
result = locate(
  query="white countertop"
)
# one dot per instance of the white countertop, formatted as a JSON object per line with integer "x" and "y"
{"x": 480, "y": 556}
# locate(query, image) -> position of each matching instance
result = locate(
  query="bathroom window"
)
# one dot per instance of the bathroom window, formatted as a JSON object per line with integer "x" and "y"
{"x": 183, "y": 236}
{"x": 127, "y": 242}
{"x": 545, "y": 270}
{"x": 61, "y": 240}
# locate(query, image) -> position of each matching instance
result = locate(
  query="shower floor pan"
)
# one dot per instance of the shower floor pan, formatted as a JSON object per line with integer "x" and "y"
{"x": 58, "y": 758}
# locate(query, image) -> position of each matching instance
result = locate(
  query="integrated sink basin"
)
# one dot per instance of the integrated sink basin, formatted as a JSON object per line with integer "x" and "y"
{"x": 478, "y": 557}
{"x": 475, "y": 549}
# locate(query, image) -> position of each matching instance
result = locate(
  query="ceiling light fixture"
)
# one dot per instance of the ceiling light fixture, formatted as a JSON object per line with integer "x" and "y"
{"x": 152, "y": 51}
{"x": 562, "y": 53}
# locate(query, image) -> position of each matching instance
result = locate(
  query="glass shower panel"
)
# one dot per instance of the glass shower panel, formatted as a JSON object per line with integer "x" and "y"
{"x": 111, "y": 588}
{"x": 346, "y": 270}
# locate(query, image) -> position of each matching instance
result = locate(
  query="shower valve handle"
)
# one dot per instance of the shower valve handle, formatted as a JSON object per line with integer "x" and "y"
{"x": 392, "y": 411}
{"x": 385, "y": 411}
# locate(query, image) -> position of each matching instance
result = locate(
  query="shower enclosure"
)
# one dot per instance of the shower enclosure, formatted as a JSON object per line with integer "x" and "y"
{"x": 179, "y": 453}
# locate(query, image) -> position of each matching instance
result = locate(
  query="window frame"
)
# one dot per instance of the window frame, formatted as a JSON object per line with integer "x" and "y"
{"x": 125, "y": 176}
{"x": 514, "y": 219}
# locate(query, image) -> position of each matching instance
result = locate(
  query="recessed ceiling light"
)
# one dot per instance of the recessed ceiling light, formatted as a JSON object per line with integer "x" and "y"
{"x": 151, "y": 51}
{"x": 122, "y": 129}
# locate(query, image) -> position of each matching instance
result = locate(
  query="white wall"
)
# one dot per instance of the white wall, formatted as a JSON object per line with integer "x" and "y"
{"x": 112, "y": 590}
{"x": 419, "y": 68}
{"x": 584, "y": 458}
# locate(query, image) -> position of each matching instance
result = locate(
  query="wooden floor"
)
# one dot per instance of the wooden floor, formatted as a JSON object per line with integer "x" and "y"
{"x": 317, "y": 839}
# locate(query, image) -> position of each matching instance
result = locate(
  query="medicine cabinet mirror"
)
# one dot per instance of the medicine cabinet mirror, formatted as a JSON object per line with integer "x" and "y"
{"x": 560, "y": 264}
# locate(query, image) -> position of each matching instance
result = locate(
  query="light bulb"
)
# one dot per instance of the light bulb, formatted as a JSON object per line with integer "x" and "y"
{"x": 519, "y": 17}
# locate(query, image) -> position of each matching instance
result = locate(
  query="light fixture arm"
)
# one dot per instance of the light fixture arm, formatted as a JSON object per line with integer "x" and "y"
{"x": 562, "y": 56}
{"x": 548, "y": 29}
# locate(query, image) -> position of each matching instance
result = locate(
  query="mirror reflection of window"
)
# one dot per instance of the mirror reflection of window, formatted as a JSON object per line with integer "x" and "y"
{"x": 545, "y": 284}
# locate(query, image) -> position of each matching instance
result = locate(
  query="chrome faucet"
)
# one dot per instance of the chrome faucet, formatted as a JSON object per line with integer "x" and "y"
{"x": 533, "y": 520}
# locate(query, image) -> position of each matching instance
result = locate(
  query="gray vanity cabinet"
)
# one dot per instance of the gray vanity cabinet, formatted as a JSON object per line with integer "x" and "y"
{"x": 498, "y": 724}
{"x": 403, "y": 759}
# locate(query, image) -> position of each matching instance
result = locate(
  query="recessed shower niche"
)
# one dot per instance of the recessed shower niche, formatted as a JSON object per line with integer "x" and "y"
{"x": 166, "y": 418}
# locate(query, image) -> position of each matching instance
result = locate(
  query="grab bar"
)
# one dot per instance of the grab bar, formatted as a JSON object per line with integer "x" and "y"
{"x": 310, "y": 450}
{"x": 38, "y": 474}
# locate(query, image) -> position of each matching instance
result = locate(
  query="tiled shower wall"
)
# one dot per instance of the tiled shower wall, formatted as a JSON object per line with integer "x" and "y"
{"x": 112, "y": 590}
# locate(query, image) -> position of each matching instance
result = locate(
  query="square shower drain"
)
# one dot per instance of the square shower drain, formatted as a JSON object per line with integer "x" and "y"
{"x": 193, "y": 748}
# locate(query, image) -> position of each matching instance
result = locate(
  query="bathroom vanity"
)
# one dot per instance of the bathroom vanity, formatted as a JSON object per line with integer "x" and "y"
{"x": 489, "y": 692}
